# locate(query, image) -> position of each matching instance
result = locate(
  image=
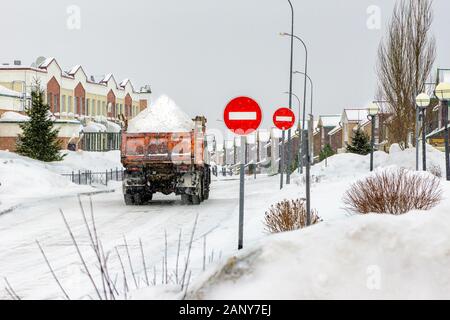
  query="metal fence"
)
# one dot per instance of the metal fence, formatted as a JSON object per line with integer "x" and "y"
{"x": 95, "y": 178}
{"x": 101, "y": 141}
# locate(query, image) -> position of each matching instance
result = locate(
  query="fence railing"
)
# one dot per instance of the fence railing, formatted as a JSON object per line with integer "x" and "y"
{"x": 88, "y": 177}
{"x": 100, "y": 141}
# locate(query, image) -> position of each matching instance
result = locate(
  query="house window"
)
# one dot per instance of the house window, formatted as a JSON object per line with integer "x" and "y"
{"x": 55, "y": 103}
{"x": 75, "y": 105}
{"x": 63, "y": 104}
{"x": 109, "y": 107}
{"x": 69, "y": 104}
{"x": 99, "y": 108}
{"x": 104, "y": 108}
{"x": 88, "y": 106}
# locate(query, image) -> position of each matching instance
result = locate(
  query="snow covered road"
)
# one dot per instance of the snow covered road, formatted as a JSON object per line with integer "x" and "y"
{"x": 25, "y": 268}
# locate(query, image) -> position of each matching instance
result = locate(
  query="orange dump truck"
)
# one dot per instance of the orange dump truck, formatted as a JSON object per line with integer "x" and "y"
{"x": 169, "y": 162}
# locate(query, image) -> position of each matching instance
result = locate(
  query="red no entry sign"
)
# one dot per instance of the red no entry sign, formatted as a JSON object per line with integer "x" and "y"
{"x": 284, "y": 118}
{"x": 242, "y": 115}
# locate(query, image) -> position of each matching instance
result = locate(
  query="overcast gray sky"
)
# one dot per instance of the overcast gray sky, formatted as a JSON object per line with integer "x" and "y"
{"x": 202, "y": 53}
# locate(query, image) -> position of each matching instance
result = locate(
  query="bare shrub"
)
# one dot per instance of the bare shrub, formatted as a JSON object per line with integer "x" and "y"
{"x": 435, "y": 170}
{"x": 288, "y": 215}
{"x": 394, "y": 191}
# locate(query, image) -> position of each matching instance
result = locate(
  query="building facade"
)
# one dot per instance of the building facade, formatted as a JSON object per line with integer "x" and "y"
{"x": 75, "y": 99}
{"x": 72, "y": 94}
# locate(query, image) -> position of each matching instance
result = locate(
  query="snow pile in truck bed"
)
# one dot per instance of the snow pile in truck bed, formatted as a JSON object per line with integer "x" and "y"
{"x": 162, "y": 116}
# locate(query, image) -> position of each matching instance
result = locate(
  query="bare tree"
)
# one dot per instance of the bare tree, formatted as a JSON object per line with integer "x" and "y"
{"x": 405, "y": 59}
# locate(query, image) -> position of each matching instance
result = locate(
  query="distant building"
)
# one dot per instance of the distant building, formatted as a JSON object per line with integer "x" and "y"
{"x": 325, "y": 125}
{"x": 72, "y": 94}
{"x": 74, "y": 98}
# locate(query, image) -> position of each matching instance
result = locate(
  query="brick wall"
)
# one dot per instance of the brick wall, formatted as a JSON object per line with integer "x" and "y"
{"x": 142, "y": 104}
{"x": 128, "y": 104}
{"x": 80, "y": 94}
{"x": 8, "y": 143}
{"x": 53, "y": 90}
{"x": 111, "y": 98}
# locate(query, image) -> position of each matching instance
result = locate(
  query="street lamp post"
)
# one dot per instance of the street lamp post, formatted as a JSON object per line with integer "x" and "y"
{"x": 289, "y": 156}
{"x": 304, "y": 88}
{"x": 311, "y": 103}
{"x": 422, "y": 102}
{"x": 442, "y": 92}
{"x": 373, "y": 111}
{"x": 298, "y": 129}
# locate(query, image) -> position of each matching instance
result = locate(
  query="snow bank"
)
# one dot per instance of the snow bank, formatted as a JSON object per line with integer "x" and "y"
{"x": 11, "y": 116}
{"x": 349, "y": 165}
{"x": 162, "y": 116}
{"x": 94, "y": 127}
{"x": 23, "y": 179}
{"x": 362, "y": 257}
{"x": 84, "y": 160}
{"x": 113, "y": 127}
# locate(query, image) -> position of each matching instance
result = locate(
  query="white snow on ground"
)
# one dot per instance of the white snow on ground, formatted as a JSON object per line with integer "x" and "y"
{"x": 359, "y": 257}
{"x": 362, "y": 257}
{"x": 12, "y": 116}
{"x": 162, "y": 116}
{"x": 332, "y": 259}
{"x": 25, "y": 180}
{"x": 84, "y": 160}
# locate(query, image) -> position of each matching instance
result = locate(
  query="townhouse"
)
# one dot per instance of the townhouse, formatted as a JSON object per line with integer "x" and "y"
{"x": 75, "y": 99}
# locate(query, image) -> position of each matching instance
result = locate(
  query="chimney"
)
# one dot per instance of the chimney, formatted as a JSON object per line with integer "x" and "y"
{"x": 17, "y": 62}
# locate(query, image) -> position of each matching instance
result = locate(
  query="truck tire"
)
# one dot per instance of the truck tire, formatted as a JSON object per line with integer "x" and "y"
{"x": 138, "y": 199}
{"x": 196, "y": 200}
{"x": 185, "y": 199}
{"x": 129, "y": 200}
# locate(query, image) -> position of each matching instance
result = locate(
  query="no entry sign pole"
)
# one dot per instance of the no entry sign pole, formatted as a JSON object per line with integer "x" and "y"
{"x": 242, "y": 194}
{"x": 242, "y": 116}
{"x": 283, "y": 119}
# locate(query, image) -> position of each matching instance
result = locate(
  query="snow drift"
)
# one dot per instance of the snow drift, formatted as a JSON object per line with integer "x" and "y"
{"x": 362, "y": 257}
{"x": 162, "y": 116}
{"x": 23, "y": 179}
{"x": 11, "y": 116}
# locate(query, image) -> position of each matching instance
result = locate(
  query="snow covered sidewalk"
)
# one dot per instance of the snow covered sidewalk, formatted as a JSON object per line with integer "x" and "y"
{"x": 24, "y": 180}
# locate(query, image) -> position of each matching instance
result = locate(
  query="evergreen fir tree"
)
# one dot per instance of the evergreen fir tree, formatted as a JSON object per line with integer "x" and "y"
{"x": 39, "y": 140}
{"x": 326, "y": 152}
{"x": 360, "y": 143}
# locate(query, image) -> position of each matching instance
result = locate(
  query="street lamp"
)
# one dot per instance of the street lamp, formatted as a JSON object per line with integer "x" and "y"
{"x": 288, "y": 173}
{"x": 304, "y": 91}
{"x": 442, "y": 92}
{"x": 311, "y": 114}
{"x": 373, "y": 111}
{"x": 305, "y": 133}
{"x": 422, "y": 102}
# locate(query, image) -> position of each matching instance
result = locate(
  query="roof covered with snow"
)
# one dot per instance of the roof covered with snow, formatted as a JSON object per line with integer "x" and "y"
{"x": 11, "y": 116}
{"x": 330, "y": 121}
{"x": 356, "y": 115}
{"x": 9, "y": 93}
{"x": 335, "y": 130}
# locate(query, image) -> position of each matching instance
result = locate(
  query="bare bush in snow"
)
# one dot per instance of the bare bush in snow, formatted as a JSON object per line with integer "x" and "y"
{"x": 435, "y": 170}
{"x": 288, "y": 215}
{"x": 395, "y": 192}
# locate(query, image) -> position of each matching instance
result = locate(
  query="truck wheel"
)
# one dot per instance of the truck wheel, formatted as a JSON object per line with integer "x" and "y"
{"x": 148, "y": 197}
{"x": 206, "y": 194}
{"x": 196, "y": 200}
{"x": 129, "y": 200}
{"x": 138, "y": 199}
{"x": 185, "y": 199}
